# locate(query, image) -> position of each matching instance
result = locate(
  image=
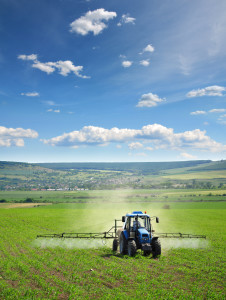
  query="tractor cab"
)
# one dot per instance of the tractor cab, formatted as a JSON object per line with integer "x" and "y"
{"x": 136, "y": 221}
{"x": 137, "y": 226}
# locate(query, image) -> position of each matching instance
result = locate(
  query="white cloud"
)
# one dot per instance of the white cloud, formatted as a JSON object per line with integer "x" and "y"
{"x": 32, "y": 94}
{"x": 222, "y": 119}
{"x": 125, "y": 19}
{"x": 64, "y": 67}
{"x": 217, "y": 110}
{"x": 149, "y": 148}
{"x": 135, "y": 145}
{"x": 187, "y": 155}
{"x": 160, "y": 136}
{"x": 149, "y": 100}
{"x": 28, "y": 57}
{"x": 149, "y": 48}
{"x": 49, "y": 102}
{"x": 53, "y": 110}
{"x": 214, "y": 90}
{"x": 127, "y": 63}
{"x": 198, "y": 112}
{"x": 44, "y": 67}
{"x": 15, "y": 136}
{"x": 92, "y": 21}
{"x": 145, "y": 63}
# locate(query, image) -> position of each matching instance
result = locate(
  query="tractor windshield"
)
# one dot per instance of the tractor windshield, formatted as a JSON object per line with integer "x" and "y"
{"x": 140, "y": 222}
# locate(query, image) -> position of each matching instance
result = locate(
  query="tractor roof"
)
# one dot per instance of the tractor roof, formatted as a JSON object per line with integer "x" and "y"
{"x": 137, "y": 213}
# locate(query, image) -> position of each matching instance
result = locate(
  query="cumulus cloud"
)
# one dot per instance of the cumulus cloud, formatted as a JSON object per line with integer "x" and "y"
{"x": 63, "y": 67}
{"x": 15, "y": 136}
{"x": 135, "y": 145}
{"x": 214, "y": 110}
{"x": 149, "y": 100}
{"x": 49, "y": 102}
{"x": 127, "y": 63}
{"x": 149, "y": 148}
{"x": 187, "y": 156}
{"x": 125, "y": 19}
{"x": 198, "y": 112}
{"x": 28, "y": 57}
{"x": 217, "y": 110}
{"x": 53, "y": 110}
{"x": 160, "y": 136}
{"x": 92, "y": 21}
{"x": 32, "y": 94}
{"x": 145, "y": 62}
{"x": 213, "y": 90}
{"x": 149, "y": 48}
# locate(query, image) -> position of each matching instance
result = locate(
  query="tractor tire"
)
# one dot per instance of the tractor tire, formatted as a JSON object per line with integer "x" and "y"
{"x": 123, "y": 244}
{"x": 115, "y": 245}
{"x": 132, "y": 248}
{"x": 156, "y": 248}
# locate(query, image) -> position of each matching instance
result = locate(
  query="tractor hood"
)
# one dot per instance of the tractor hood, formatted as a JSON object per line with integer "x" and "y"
{"x": 143, "y": 232}
{"x": 143, "y": 236}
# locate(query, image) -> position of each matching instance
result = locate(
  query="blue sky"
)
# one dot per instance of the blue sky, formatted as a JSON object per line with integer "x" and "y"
{"x": 115, "y": 81}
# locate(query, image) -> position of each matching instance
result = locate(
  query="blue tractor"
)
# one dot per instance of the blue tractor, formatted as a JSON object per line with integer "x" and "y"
{"x": 137, "y": 234}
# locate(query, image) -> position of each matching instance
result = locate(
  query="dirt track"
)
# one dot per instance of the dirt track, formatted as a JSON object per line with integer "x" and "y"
{"x": 22, "y": 205}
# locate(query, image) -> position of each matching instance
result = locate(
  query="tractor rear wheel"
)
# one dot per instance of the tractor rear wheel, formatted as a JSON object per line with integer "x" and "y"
{"x": 115, "y": 245}
{"x": 156, "y": 248}
{"x": 132, "y": 248}
{"x": 123, "y": 244}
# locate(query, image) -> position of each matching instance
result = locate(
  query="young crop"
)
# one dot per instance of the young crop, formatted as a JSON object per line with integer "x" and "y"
{"x": 29, "y": 270}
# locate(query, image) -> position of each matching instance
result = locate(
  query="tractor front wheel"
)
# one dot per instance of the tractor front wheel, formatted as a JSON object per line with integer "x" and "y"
{"x": 123, "y": 244}
{"x": 132, "y": 248}
{"x": 156, "y": 248}
{"x": 115, "y": 245}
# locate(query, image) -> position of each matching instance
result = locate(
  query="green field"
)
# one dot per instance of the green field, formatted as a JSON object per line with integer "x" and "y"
{"x": 188, "y": 197}
{"x": 122, "y": 195}
{"x": 33, "y": 268}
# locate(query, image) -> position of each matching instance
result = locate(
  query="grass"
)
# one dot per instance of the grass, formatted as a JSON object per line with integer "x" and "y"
{"x": 220, "y": 174}
{"x": 123, "y": 195}
{"x": 34, "y": 269}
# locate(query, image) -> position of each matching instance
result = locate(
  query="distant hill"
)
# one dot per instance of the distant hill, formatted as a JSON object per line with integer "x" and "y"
{"x": 20, "y": 168}
{"x": 141, "y": 167}
{"x": 212, "y": 166}
{"x": 73, "y": 176}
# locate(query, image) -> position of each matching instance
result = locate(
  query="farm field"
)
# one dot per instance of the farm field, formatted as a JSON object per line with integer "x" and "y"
{"x": 73, "y": 269}
{"x": 121, "y": 195}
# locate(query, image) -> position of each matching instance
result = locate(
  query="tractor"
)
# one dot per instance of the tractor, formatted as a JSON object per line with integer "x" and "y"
{"x": 137, "y": 234}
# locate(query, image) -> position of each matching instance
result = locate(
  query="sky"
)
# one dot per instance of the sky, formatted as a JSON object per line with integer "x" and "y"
{"x": 112, "y": 81}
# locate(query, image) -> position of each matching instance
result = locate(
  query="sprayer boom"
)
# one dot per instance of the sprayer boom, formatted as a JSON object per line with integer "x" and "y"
{"x": 180, "y": 235}
{"x": 80, "y": 235}
{"x": 135, "y": 233}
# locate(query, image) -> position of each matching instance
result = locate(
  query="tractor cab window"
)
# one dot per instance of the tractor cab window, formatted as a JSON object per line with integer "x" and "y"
{"x": 127, "y": 224}
{"x": 140, "y": 222}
